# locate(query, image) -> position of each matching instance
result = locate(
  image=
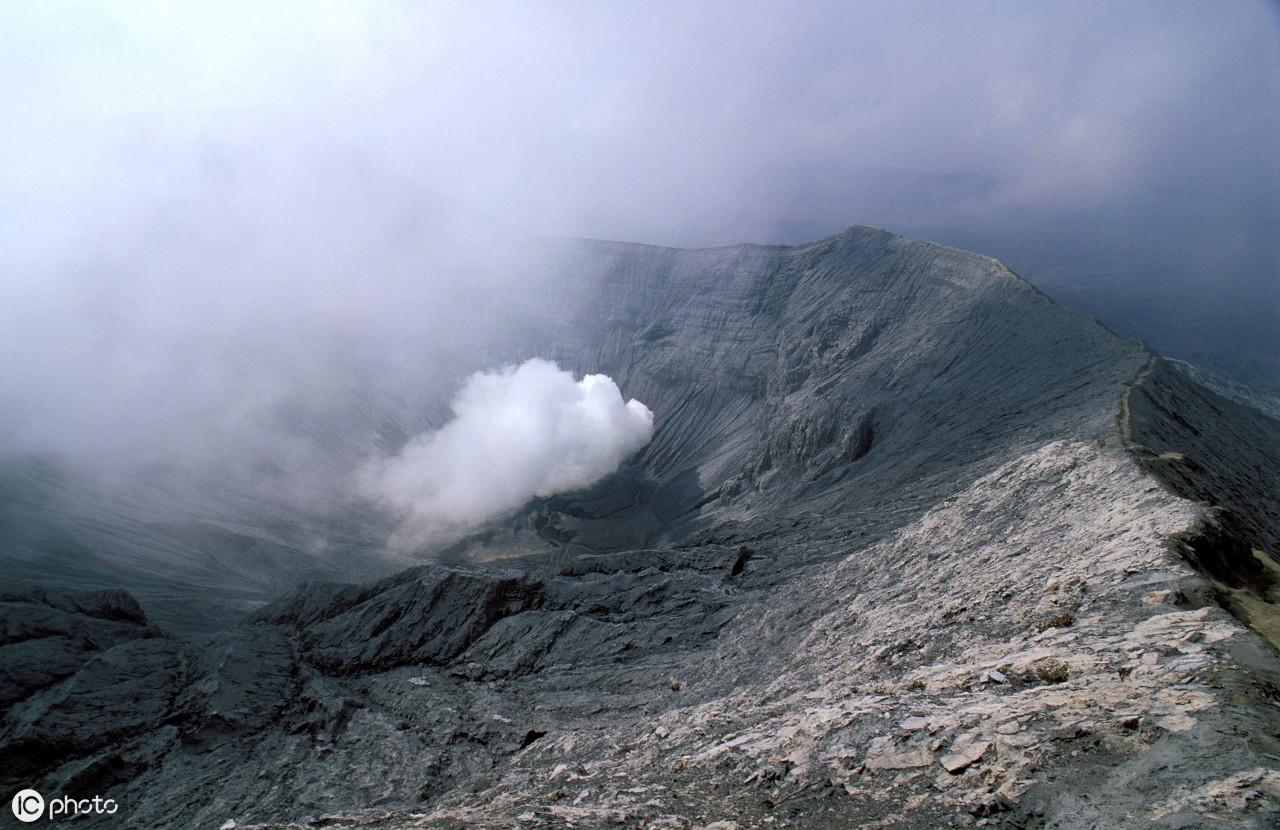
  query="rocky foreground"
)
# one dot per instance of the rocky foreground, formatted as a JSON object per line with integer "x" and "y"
{"x": 913, "y": 548}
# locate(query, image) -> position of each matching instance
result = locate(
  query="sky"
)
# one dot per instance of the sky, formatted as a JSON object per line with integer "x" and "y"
{"x": 682, "y": 123}
{"x": 209, "y": 212}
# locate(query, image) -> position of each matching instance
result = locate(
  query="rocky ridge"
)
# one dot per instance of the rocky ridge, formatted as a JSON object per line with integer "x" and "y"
{"x": 913, "y": 547}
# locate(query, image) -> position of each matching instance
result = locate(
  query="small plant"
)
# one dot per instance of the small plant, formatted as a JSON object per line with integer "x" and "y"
{"x": 1060, "y": 621}
{"x": 1052, "y": 671}
{"x": 916, "y": 685}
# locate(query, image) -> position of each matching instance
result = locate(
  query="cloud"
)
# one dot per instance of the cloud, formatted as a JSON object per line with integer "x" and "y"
{"x": 516, "y": 433}
{"x": 677, "y": 123}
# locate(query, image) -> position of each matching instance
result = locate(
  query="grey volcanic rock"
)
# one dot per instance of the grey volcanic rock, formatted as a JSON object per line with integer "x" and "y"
{"x": 46, "y": 636}
{"x": 912, "y": 547}
{"x": 81, "y": 671}
{"x": 1208, "y": 448}
{"x": 429, "y": 615}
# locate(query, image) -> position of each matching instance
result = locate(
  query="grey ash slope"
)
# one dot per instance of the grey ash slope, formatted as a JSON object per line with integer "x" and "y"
{"x": 198, "y": 554}
{"x": 861, "y": 369}
{"x": 883, "y": 471}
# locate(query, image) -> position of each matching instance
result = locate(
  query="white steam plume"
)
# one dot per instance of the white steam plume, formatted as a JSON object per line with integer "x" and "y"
{"x": 516, "y": 433}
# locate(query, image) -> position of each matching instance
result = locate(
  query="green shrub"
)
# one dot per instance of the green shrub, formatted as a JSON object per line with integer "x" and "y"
{"x": 1052, "y": 671}
{"x": 1060, "y": 621}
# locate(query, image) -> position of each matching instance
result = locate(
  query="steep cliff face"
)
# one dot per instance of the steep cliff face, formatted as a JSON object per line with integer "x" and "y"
{"x": 1223, "y": 454}
{"x": 912, "y": 547}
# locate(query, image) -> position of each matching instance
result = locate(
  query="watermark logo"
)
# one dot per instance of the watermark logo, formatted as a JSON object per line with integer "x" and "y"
{"x": 28, "y": 806}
